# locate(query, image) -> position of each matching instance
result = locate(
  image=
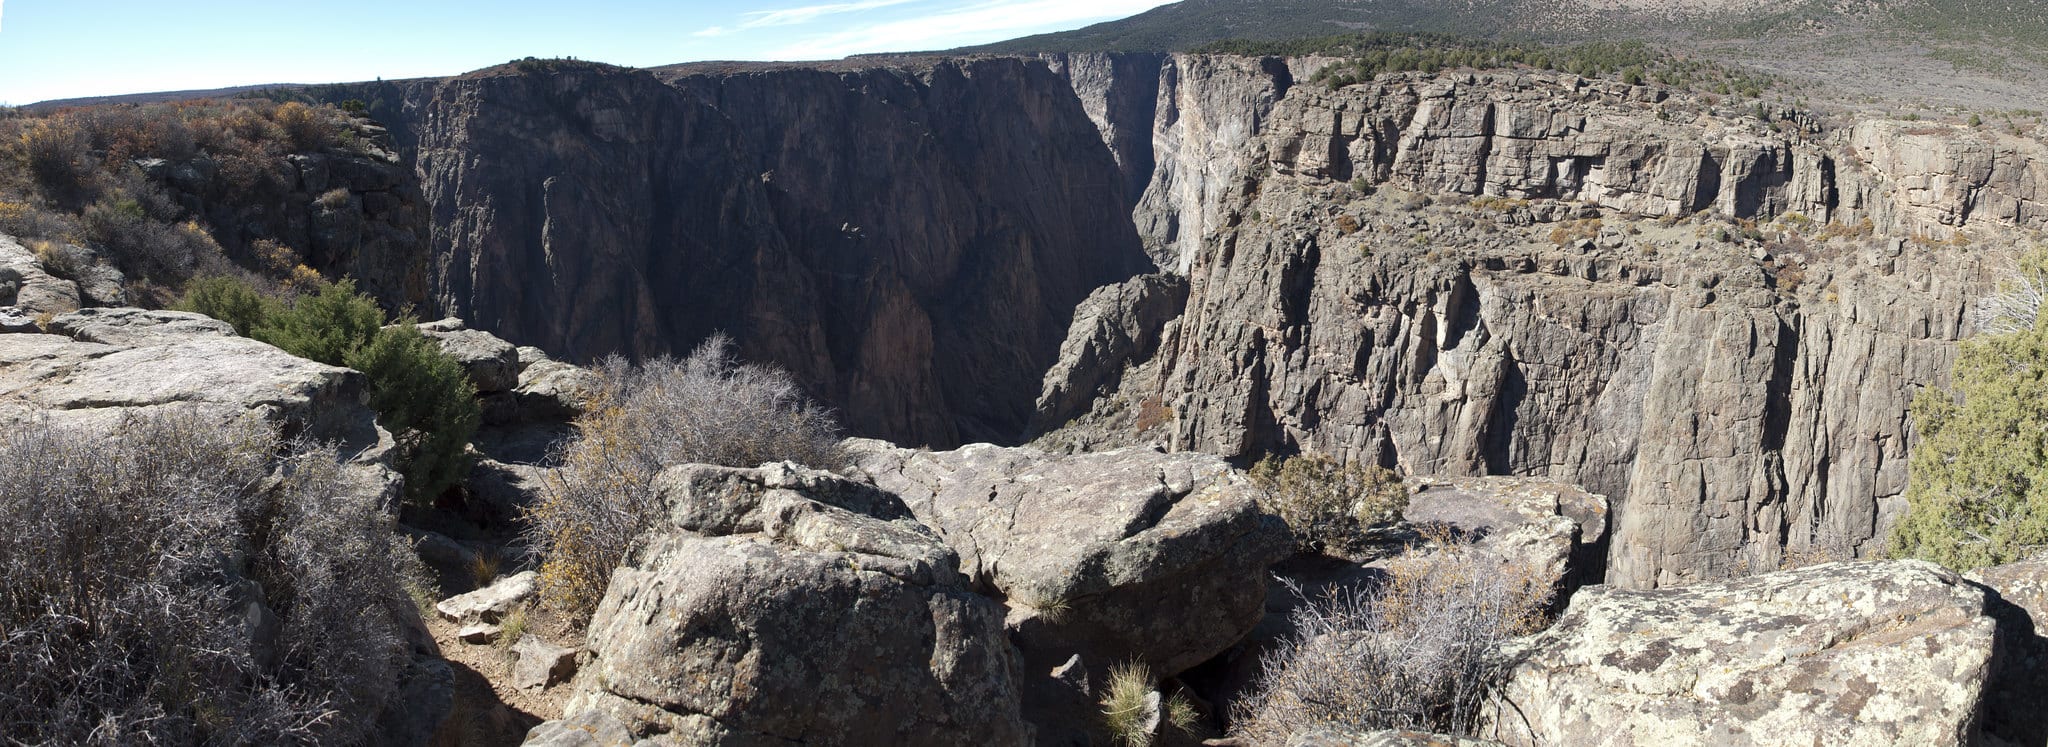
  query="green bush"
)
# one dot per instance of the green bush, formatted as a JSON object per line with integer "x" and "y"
{"x": 420, "y": 394}
{"x": 229, "y": 299}
{"x": 1328, "y": 504}
{"x": 325, "y": 325}
{"x": 1978, "y": 491}
{"x": 425, "y": 400}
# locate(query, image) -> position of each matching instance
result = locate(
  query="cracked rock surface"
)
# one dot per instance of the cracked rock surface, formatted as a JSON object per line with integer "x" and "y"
{"x": 782, "y": 605}
{"x": 1842, "y": 653}
{"x": 1088, "y": 549}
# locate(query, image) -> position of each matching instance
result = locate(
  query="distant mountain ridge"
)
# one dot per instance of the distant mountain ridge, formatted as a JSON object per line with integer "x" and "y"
{"x": 1188, "y": 24}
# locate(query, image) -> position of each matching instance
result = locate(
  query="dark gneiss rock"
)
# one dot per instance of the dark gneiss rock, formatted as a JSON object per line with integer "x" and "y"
{"x": 909, "y": 243}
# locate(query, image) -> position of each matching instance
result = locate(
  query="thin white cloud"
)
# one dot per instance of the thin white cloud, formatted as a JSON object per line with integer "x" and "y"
{"x": 992, "y": 20}
{"x": 809, "y": 13}
{"x": 712, "y": 31}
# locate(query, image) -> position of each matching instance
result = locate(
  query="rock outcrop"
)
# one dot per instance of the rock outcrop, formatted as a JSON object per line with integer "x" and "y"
{"x": 782, "y": 605}
{"x": 2017, "y": 712}
{"x": 353, "y": 209}
{"x": 1861, "y": 653}
{"x": 1504, "y": 302}
{"x": 102, "y": 363}
{"x": 28, "y": 288}
{"x": 909, "y": 241}
{"x": 1087, "y": 549}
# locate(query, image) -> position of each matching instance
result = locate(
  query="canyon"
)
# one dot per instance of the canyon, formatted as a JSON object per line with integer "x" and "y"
{"x": 1716, "y": 318}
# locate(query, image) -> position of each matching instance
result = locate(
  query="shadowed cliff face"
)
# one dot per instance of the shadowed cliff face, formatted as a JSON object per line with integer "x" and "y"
{"x": 1534, "y": 291}
{"x": 909, "y": 243}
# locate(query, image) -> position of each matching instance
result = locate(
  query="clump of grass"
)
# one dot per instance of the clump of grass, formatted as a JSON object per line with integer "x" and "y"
{"x": 512, "y": 627}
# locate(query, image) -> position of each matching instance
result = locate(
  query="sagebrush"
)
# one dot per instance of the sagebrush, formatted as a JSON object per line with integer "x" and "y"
{"x": 707, "y": 408}
{"x": 132, "y": 563}
{"x": 1329, "y": 504}
{"x": 1420, "y": 651}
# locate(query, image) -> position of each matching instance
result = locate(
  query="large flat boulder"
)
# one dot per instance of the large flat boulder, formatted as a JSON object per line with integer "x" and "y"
{"x": 1890, "y": 653}
{"x": 1115, "y": 556}
{"x": 102, "y": 363}
{"x": 783, "y": 605}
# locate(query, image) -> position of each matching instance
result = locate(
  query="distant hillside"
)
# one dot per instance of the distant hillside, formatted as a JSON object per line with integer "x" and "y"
{"x": 1988, "y": 56}
{"x": 1191, "y": 23}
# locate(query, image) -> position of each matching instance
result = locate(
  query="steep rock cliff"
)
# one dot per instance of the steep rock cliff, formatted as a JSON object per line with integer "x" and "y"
{"x": 1535, "y": 290}
{"x": 909, "y": 242}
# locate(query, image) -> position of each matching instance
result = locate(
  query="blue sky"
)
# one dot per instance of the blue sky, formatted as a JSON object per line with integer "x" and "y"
{"x": 68, "y": 48}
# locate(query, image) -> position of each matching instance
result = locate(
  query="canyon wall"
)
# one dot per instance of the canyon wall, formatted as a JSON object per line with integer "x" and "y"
{"x": 1716, "y": 320}
{"x": 909, "y": 241}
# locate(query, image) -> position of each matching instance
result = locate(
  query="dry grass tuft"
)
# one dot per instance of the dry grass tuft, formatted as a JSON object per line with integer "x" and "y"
{"x": 1419, "y": 652}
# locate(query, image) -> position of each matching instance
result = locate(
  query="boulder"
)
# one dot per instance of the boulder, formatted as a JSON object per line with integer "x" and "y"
{"x": 1116, "y": 556}
{"x": 1840, "y": 653}
{"x": 2018, "y": 709}
{"x": 17, "y": 319}
{"x": 781, "y": 604}
{"x": 541, "y": 664}
{"x": 24, "y": 282}
{"x": 586, "y": 729}
{"x": 491, "y": 603}
{"x": 492, "y": 363}
{"x": 1555, "y": 527}
{"x": 552, "y": 390}
{"x": 106, "y": 362}
{"x": 1327, "y": 737}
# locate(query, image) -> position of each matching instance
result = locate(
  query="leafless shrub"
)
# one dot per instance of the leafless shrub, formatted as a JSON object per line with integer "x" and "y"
{"x": 178, "y": 582}
{"x": 706, "y": 409}
{"x": 1419, "y": 652}
{"x": 2017, "y": 302}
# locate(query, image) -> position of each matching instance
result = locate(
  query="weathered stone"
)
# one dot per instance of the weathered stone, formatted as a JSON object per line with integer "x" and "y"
{"x": 1328, "y": 737}
{"x": 1088, "y": 549}
{"x": 492, "y": 363}
{"x": 479, "y": 633}
{"x": 2017, "y": 711}
{"x": 784, "y": 604}
{"x": 17, "y": 319}
{"x": 491, "y": 603}
{"x": 25, "y": 284}
{"x": 1842, "y": 653}
{"x": 541, "y": 664}
{"x": 125, "y": 360}
{"x": 585, "y": 729}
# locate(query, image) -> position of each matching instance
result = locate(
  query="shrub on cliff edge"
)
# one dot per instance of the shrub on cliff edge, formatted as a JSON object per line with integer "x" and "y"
{"x": 1328, "y": 504}
{"x": 1421, "y": 651}
{"x": 1978, "y": 491}
{"x": 705, "y": 409}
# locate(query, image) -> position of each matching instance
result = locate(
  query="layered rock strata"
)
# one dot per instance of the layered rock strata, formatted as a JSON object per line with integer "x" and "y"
{"x": 1511, "y": 274}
